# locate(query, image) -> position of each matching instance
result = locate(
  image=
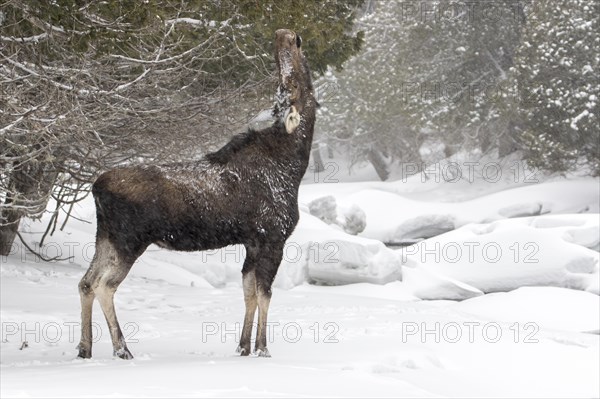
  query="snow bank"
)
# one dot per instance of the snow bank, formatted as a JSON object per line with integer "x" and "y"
{"x": 551, "y": 250}
{"x": 320, "y": 253}
{"x": 394, "y": 216}
{"x": 547, "y": 307}
{"x": 559, "y": 251}
{"x": 425, "y": 284}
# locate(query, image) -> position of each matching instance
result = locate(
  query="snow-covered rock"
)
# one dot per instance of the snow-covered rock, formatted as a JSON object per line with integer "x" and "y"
{"x": 550, "y": 250}
{"x": 320, "y": 253}
{"x": 426, "y": 284}
{"x": 424, "y": 226}
{"x": 403, "y": 211}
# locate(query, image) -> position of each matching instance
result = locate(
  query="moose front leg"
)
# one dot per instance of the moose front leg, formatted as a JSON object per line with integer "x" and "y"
{"x": 249, "y": 283}
{"x": 263, "y": 301}
{"x": 265, "y": 274}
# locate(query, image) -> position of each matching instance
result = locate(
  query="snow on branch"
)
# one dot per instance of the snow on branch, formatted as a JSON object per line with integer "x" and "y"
{"x": 28, "y": 39}
{"x": 19, "y": 119}
{"x": 126, "y": 85}
{"x": 197, "y": 22}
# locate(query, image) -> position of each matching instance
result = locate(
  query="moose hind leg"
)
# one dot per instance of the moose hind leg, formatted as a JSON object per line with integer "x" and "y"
{"x": 112, "y": 276}
{"x": 110, "y": 267}
{"x": 105, "y": 259}
{"x": 86, "y": 294}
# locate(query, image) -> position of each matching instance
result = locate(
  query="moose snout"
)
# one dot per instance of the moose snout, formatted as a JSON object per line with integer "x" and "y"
{"x": 285, "y": 38}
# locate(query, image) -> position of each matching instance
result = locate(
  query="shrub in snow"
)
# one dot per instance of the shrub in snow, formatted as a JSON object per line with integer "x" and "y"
{"x": 355, "y": 219}
{"x": 324, "y": 208}
{"x": 351, "y": 218}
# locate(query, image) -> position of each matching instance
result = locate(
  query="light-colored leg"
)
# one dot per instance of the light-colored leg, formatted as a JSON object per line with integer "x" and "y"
{"x": 86, "y": 295}
{"x": 263, "y": 301}
{"x": 249, "y": 283}
{"x": 266, "y": 269}
{"x": 106, "y": 272}
{"x": 105, "y": 294}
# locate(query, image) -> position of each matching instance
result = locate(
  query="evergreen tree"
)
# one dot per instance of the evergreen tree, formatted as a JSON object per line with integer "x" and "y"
{"x": 557, "y": 76}
{"x": 87, "y": 84}
{"x": 431, "y": 77}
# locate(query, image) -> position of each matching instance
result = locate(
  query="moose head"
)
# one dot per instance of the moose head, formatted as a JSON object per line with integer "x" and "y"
{"x": 295, "y": 86}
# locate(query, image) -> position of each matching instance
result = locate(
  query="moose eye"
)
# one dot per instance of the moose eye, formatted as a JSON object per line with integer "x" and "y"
{"x": 298, "y": 41}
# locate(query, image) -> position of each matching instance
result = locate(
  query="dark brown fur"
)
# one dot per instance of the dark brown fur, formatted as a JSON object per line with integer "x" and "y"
{"x": 245, "y": 193}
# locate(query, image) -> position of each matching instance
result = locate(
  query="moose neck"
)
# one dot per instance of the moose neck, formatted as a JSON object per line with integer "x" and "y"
{"x": 302, "y": 136}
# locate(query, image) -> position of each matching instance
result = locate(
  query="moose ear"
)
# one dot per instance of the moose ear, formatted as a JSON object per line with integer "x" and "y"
{"x": 298, "y": 41}
{"x": 292, "y": 120}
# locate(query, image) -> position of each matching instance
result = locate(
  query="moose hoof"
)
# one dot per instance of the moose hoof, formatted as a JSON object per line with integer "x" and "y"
{"x": 263, "y": 352}
{"x": 243, "y": 351}
{"x": 123, "y": 353}
{"x": 84, "y": 353}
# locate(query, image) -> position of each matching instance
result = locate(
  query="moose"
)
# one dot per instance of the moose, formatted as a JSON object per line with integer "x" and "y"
{"x": 245, "y": 193}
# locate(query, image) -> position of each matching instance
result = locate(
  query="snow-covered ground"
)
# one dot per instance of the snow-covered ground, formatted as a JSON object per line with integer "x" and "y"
{"x": 504, "y": 304}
